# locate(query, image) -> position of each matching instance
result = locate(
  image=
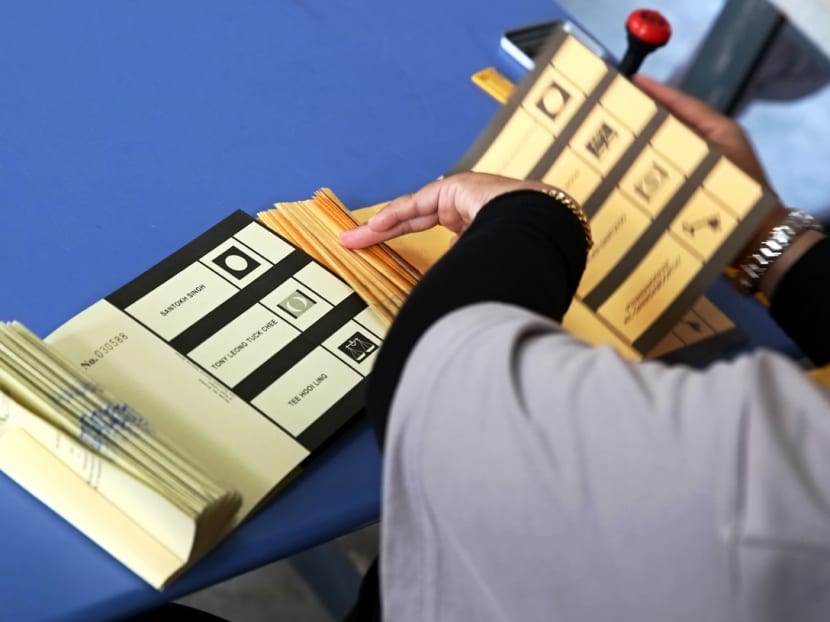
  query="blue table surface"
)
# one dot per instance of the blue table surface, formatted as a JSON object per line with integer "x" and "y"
{"x": 130, "y": 127}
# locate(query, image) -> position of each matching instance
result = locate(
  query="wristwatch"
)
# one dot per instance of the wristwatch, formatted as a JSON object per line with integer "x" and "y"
{"x": 755, "y": 265}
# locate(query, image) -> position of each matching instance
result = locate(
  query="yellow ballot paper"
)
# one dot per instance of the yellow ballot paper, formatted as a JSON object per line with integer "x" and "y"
{"x": 232, "y": 360}
{"x": 667, "y": 210}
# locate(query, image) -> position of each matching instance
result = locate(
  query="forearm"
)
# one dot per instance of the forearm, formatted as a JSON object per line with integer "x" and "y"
{"x": 523, "y": 248}
{"x": 800, "y": 299}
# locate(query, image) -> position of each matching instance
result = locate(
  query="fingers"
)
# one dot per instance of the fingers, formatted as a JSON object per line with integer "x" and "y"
{"x": 366, "y": 235}
{"x": 406, "y": 214}
{"x": 452, "y": 202}
{"x": 692, "y": 111}
{"x": 362, "y": 236}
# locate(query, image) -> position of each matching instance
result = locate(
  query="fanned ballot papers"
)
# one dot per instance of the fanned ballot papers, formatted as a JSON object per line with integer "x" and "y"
{"x": 667, "y": 210}
{"x": 382, "y": 277}
{"x": 160, "y": 417}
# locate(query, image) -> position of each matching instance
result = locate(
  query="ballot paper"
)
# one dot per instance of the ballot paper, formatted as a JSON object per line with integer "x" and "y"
{"x": 667, "y": 210}
{"x": 160, "y": 417}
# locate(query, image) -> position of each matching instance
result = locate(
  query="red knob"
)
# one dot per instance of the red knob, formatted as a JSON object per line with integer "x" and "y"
{"x": 647, "y": 31}
{"x": 649, "y": 26}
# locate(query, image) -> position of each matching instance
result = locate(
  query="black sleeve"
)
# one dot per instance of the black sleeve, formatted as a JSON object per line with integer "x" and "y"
{"x": 523, "y": 248}
{"x": 801, "y": 304}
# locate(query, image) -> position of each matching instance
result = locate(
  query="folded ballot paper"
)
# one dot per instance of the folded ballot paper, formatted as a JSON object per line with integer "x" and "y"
{"x": 160, "y": 417}
{"x": 100, "y": 463}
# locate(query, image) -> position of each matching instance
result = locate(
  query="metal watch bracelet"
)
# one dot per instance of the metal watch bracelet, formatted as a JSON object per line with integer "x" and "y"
{"x": 754, "y": 266}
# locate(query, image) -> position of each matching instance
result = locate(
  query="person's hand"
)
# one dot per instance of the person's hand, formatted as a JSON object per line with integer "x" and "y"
{"x": 452, "y": 202}
{"x": 710, "y": 124}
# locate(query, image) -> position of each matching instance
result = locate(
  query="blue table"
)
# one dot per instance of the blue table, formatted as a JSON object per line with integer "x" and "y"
{"x": 130, "y": 127}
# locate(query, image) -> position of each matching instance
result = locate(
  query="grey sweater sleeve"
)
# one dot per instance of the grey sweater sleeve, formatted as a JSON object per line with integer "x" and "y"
{"x": 533, "y": 477}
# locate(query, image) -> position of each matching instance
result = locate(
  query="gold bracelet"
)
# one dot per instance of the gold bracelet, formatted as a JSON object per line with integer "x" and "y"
{"x": 574, "y": 208}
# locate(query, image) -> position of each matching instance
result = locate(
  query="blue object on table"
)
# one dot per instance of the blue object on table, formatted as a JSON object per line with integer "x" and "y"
{"x": 130, "y": 127}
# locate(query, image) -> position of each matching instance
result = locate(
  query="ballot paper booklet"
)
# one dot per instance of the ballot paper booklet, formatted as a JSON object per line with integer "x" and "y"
{"x": 160, "y": 417}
